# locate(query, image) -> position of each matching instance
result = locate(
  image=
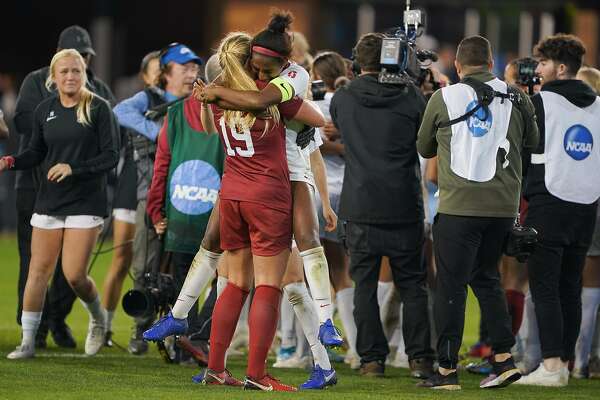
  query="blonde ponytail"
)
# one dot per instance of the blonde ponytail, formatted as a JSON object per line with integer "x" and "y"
{"x": 233, "y": 52}
{"x": 84, "y": 106}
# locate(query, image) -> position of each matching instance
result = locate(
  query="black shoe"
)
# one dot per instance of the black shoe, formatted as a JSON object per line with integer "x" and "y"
{"x": 421, "y": 368}
{"x": 373, "y": 368}
{"x": 108, "y": 339}
{"x": 441, "y": 382}
{"x": 137, "y": 345}
{"x": 504, "y": 373}
{"x": 40, "y": 339}
{"x": 61, "y": 333}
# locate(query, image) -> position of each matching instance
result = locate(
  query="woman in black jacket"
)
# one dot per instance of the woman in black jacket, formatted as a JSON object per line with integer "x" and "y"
{"x": 75, "y": 142}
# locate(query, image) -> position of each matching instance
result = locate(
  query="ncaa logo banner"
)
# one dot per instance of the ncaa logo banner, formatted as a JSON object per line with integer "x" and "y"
{"x": 194, "y": 187}
{"x": 578, "y": 142}
{"x": 478, "y": 126}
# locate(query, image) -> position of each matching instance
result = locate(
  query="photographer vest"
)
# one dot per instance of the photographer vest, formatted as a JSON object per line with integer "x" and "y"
{"x": 144, "y": 147}
{"x": 193, "y": 181}
{"x": 571, "y": 150}
{"x": 476, "y": 140}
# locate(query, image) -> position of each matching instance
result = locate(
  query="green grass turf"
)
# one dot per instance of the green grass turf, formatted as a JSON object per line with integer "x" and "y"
{"x": 114, "y": 374}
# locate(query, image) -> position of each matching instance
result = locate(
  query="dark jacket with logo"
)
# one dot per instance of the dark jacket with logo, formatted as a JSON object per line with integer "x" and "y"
{"x": 33, "y": 92}
{"x": 579, "y": 94}
{"x": 379, "y": 123}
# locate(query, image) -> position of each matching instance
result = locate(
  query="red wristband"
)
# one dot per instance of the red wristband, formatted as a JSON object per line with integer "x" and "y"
{"x": 10, "y": 161}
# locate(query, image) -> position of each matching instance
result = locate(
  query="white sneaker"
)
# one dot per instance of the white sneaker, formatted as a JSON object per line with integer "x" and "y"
{"x": 543, "y": 377}
{"x": 352, "y": 359}
{"x": 294, "y": 362}
{"x": 578, "y": 373}
{"x": 95, "y": 336}
{"x": 527, "y": 365}
{"x": 21, "y": 352}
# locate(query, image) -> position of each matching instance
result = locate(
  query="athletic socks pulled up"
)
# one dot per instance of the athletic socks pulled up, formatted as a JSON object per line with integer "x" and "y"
{"x": 590, "y": 301}
{"x": 96, "y": 310}
{"x": 224, "y": 320}
{"x": 306, "y": 311}
{"x": 201, "y": 272}
{"x": 263, "y": 317}
{"x": 516, "y": 307}
{"x": 316, "y": 270}
{"x": 345, "y": 304}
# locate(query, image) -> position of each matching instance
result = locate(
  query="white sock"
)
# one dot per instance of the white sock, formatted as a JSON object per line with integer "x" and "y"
{"x": 30, "y": 321}
{"x": 306, "y": 311}
{"x": 533, "y": 348}
{"x": 95, "y": 309}
{"x": 317, "y": 276}
{"x": 590, "y": 300}
{"x": 288, "y": 333}
{"x": 596, "y": 339}
{"x": 109, "y": 319}
{"x": 397, "y": 339}
{"x": 345, "y": 304}
{"x": 221, "y": 283}
{"x": 201, "y": 272}
{"x": 383, "y": 288}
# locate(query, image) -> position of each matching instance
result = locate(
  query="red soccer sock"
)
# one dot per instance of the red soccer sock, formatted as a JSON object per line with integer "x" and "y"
{"x": 263, "y": 317}
{"x": 516, "y": 304}
{"x": 224, "y": 320}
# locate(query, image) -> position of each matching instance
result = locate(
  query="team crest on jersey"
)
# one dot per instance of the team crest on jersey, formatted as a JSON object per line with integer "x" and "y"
{"x": 578, "y": 142}
{"x": 292, "y": 74}
{"x": 194, "y": 187}
{"x": 478, "y": 126}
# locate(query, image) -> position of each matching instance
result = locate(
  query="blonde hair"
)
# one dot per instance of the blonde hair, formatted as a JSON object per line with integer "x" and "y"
{"x": 84, "y": 107}
{"x": 591, "y": 76}
{"x": 233, "y": 52}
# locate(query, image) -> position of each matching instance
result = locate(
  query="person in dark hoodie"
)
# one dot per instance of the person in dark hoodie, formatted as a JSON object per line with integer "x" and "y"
{"x": 562, "y": 187}
{"x": 382, "y": 205}
{"x": 479, "y": 180}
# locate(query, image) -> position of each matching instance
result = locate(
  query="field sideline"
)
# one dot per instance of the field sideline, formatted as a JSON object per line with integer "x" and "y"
{"x": 114, "y": 374}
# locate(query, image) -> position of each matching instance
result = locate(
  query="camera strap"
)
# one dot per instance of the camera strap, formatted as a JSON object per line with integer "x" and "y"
{"x": 485, "y": 96}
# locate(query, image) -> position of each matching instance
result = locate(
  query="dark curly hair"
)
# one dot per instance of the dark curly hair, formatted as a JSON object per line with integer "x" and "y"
{"x": 276, "y": 36}
{"x": 562, "y": 48}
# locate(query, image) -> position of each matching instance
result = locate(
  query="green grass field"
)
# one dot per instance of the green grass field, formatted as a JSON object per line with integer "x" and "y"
{"x": 114, "y": 374}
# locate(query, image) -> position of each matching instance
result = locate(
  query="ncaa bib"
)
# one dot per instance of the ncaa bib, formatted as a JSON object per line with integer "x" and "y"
{"x": 193, "y": 182}
{"x": 571, "y": 149}
{"x": 475, "y": 143}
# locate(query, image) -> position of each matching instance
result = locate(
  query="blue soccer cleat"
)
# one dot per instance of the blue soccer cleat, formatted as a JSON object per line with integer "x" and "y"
{"x": 329, "y": 335}
{"x": 319, "y": 379}
{"x": 198, "y": 378}
{"x": 164, "y": 327}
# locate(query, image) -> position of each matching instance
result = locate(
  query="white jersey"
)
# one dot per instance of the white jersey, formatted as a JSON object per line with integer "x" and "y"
{"x": 475, "y": 142}
{"x": 334, "y": 163}
{"x": 298, "y": 159}
{"x": 571, "y": 152}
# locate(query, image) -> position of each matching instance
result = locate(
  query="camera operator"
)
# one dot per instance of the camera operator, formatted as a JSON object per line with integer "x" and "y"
{"x": 562, "y": 196}
{"x": 479, "y": 179}
{"x": 142, "y": 114}
{"x": 521, "y": 73}
{"x": 382, "y": 203}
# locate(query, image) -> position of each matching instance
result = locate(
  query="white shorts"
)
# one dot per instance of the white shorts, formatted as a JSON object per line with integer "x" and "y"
{"x": 65, "y": 222}
{"x": 298, "y": 163}
{"x": 124, "y": 215}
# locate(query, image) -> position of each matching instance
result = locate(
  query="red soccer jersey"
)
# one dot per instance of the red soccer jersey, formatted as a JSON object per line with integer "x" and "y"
{"x": 256, "y": 168}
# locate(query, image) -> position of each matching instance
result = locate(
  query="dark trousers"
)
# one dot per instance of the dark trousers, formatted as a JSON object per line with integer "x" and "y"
{"x": 60, "y": 297}
{"x": 467, "y": 251}
{"x": 403, "y": 244}
{"x": 555, "y": 268}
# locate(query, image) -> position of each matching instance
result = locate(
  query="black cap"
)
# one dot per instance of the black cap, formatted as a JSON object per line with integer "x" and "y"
{"x": 76, "y": 37}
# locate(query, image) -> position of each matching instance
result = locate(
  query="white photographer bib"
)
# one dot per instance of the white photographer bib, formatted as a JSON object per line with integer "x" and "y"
{"x": 571, "y": 149}
{"x": 475, "y": 143}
